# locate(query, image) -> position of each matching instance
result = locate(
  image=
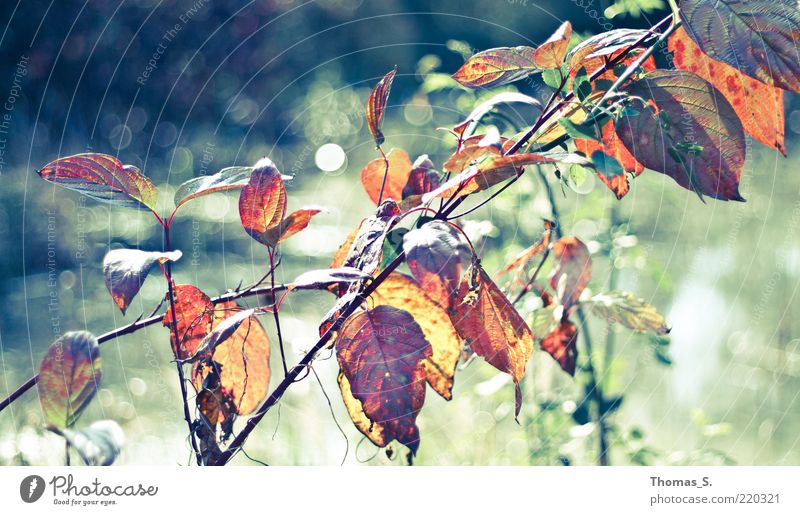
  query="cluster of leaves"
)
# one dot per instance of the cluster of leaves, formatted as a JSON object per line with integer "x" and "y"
{"x": 396, "y": 332}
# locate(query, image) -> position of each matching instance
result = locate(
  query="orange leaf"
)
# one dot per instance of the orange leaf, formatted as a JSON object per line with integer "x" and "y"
{"x": 403, "y": 292}
{"x": 550, "y": 54}
{"x": 244, "y": 360}
{"x": 289, "y": 226}
{"x": 572, "y": 270}
{"x": 496, "y": 66}
{"x": 380, "y": 352}
{"x": 560, "y": 344}
{"x": 759, "y": 106}
{"x": 396, "y": 177}
{"x": 612, "y": 146}
{"x": 262, "y": 202}
{"x": 376, "y": 106}
{"x": 492, "y": 328}
{"x": 193, "y": 310}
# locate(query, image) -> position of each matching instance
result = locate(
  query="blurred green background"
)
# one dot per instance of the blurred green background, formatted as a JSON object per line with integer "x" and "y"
{"x": 183, "y": 88}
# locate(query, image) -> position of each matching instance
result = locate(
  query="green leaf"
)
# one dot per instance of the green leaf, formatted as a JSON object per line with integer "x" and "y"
{"x": 579, "y": 131}
{"x": 68, "y": 377}
{"x": 626, "y": 309}
{"x": 581, "y": 85}
{"x": 234, "y": 177}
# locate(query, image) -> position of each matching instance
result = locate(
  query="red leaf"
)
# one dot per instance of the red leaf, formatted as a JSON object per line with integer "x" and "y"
{"x": 759, "y": 106}
{"x": 396, "y": 177}
{"x": 104, "y": 178}
{"x": 262, "y": 202}
{"x": 572, "y": 270}
{"x": 380, "y": 352}
{"x": 496, "y": 66}
{"x": 687, "y": 131}
{"x": 376, "y": 106}
{"x": 596, "y": 50}
{"x": 436, "y": 254}
{"x": 758, "y": 37}
{"x": 492, "y": 328}
{"x": 194, "y": 312}
{"x": 612, "y": 146}
{"x": 561, "y": 344}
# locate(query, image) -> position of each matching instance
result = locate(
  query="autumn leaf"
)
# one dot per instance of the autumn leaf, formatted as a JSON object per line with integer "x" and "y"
{"x": 520, "y": 262}
{"x": 572, "y": 270}
{"x": 380, "y": 352}
{"x": 262, "y": 202}
{"x": 314, "y": 278}
{"x": 403, "y": 292}
{"x": 627, "y": 309}
{"x": 465, "y": 129}
{"x": 436, "y": 253}
{"x": 194, "y": 312}
{"x": 376, "y": 106}
{"x": 561, "y": 344}
{"x": 234, "y": 177}
{"x": 365, "y": 252}
{"x": 98, "y": 445}
{"x": 69, "y": 376}
{"x": 757, "y": 37}
{"x": 688, "y": 131}
{"x": 289, "y": 226}
{"x": 219, "y": 333}
{"x": 491, "y": 327}
{"x": 396, "y": 177}
{"x": 243, "y": 357}
{"x": 551, "y": 53}
{"x": 611, "y": 146}
{"x": 103, "y": 178}
{"x": 341, "y": 254}
{"x": 596, "y": 50}
{"x": 422, "y": 179}
{"x": 125, "y": 270}
{"x": 759, "y": 106}
{"x": 496, "y": 67}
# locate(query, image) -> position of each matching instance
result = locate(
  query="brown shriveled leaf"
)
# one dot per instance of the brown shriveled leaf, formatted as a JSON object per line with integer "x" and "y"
{"x": 687, "y": 131}
{"x": 376, "y": 106}
{"x": 571, "y": 272}
{"x": 403, "y": 292}
{"x": 758, "y": 37}
{"x": 561, "y": 344}
{"x": 423, "y": 178}
{"x": 491, "y": 327}
{"x": 243, "y": 359}
{"x": 496, "y": 67}
{"x": 125, "y": 270}
{"x": 550, "y": 54}
{"x": 613, "y": 147}
{"x": 262, "y": 202}
{"x": 632, "y": 312}
{"x": 69, "y": 376}
{"x": 289, "y": 226}
{"x": 193, "y": 311}
{"x": 520, "y": 262}
{"x": 103, "y": 178}
{"x": 396, "y": 178}
{"x": 365, "y": 252}
{"x": 340, "y": 256}
{"x": 465, "y": 129}
{"x": 380, "y": 352}
{"x": 314, "y": 278}
{"x": 759, "y": 106}
{"x": 437, "y": 253}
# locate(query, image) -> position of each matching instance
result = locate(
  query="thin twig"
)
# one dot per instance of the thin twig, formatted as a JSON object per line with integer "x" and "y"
{"x": 275, "y": 309}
